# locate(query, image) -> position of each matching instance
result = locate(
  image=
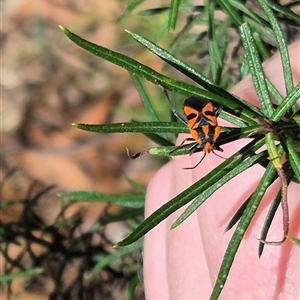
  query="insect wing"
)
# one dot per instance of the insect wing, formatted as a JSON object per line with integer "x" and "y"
{"x": 200, "y": 112}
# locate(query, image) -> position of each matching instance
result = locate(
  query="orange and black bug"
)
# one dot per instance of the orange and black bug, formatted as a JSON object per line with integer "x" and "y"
{"x": 201, "y": 118}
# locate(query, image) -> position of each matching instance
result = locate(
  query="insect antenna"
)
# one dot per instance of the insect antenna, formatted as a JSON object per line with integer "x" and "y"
{"x": 219, "y": 149}
{"x": 173, "y": 109}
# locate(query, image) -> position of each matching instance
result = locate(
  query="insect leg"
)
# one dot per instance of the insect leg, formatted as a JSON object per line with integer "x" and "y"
{"x": 191, "y": 168}
{"x": 181, "y": 144}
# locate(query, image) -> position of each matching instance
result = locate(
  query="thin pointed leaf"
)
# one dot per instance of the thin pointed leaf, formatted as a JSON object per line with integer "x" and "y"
{"x": 6, "y": 177}
{"x": 226, "y": 137}
{"x": 104, "y": 261}
{"x": 294, "y": 240}
{"x": 125, "y": 200}
{"x": 136, "y": 127}
{"x": 131, "y": 6}
{"x": 144, "y": 95}
{"x": 187, "y": 195}
{"x": 240, "y": 5}
{"x": 256, "y": 70}
{"x": 286, "y": 104}
{"x": 292, "y": 155}
{"x": 244, "y": 165}
{"x": 261, "y": 45}
{"x": 145, "y": 72}
{"x": 234, "y": 15}
{"x": 237, "y": 215}
{"x": 10, "y": 277}
{"x": 263, "y": 31}
{"x": 219, "y": 95}
{"x": 121, "y": 215}
{"x": 274, "y": 92}
{"x": 173, "y": 14}
{"x": 255, "y": 199}
{"x": 141, "y": 188}
{"x": 285, "y": 10}
{"x": 180, "y": 41}
{"x": 134, "y": 283}
{"x": 283, "y": 49}
{"x": 154, "y": 11}
{"x": 214, "y": 56}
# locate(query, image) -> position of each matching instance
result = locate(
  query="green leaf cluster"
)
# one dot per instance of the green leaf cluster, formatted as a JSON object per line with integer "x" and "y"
{"x": 275, "y": 126}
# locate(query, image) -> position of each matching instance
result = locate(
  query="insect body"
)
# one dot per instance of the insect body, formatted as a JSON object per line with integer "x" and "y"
{"x": 201, "y": 117}
{"x": 202, "y": 121}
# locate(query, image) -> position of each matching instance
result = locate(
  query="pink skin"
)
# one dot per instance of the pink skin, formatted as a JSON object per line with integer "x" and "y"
{"x": 183, "y": 264}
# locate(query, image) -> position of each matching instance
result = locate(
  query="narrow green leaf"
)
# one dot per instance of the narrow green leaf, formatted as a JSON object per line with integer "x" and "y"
{"x": 180, "y": 41}
{"x": 217, "y": 94}
{"x": 187, "y": 195}
{"x": 172, "y": 151}
{"x": 154, "y": 11}
{"x": 120, "y": 215}
{"x": 283, "y": 49}
{"x": 226, "y": 137}
{"x": 244, "y": 165}
{"x": 27, "y": 273}
{"x": 296, "y": 116}
{"x": 134, "y": 283}
{"x": 237, "y": 215}
{"x": 173, "y": 14}
{"x": 256, "y": 70}
{"x": 140, "y": 187}
{"x": 215, "y": 57}
{"x": 148, "y": 128}
{"x": 264, "y": 32}
{"x": 145, "y": 97}
{"x": 136, "y": 127}
{"x": 274, "y": 92}
{"x": 132, "y": 4}
{"x": 261, "y": 45}
{"x": 174, "y": 85}
{"x": 104, "y": 261}
{"x": 6, "y": 177}
{"x": 292, "y": 155}
{"x": 283, "y": 9}
{"x": 294, "y": 240}
{"x": 143, "y": 71}
{"x": 257, "y": 22}
{"x": 238, "y": 235}
{"x": 288, "y": 102}
{"x": 234, "y": 15}
{"x": 247, "y": 12}
{"x": 125, "y": 200}
{"x": 289, "y": 126}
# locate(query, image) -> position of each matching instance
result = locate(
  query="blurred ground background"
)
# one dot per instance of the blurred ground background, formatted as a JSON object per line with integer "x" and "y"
{"x": 48, "y": 83}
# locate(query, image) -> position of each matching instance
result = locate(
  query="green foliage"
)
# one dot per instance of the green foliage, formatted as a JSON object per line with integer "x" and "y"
{"x": 258, "y": 32}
